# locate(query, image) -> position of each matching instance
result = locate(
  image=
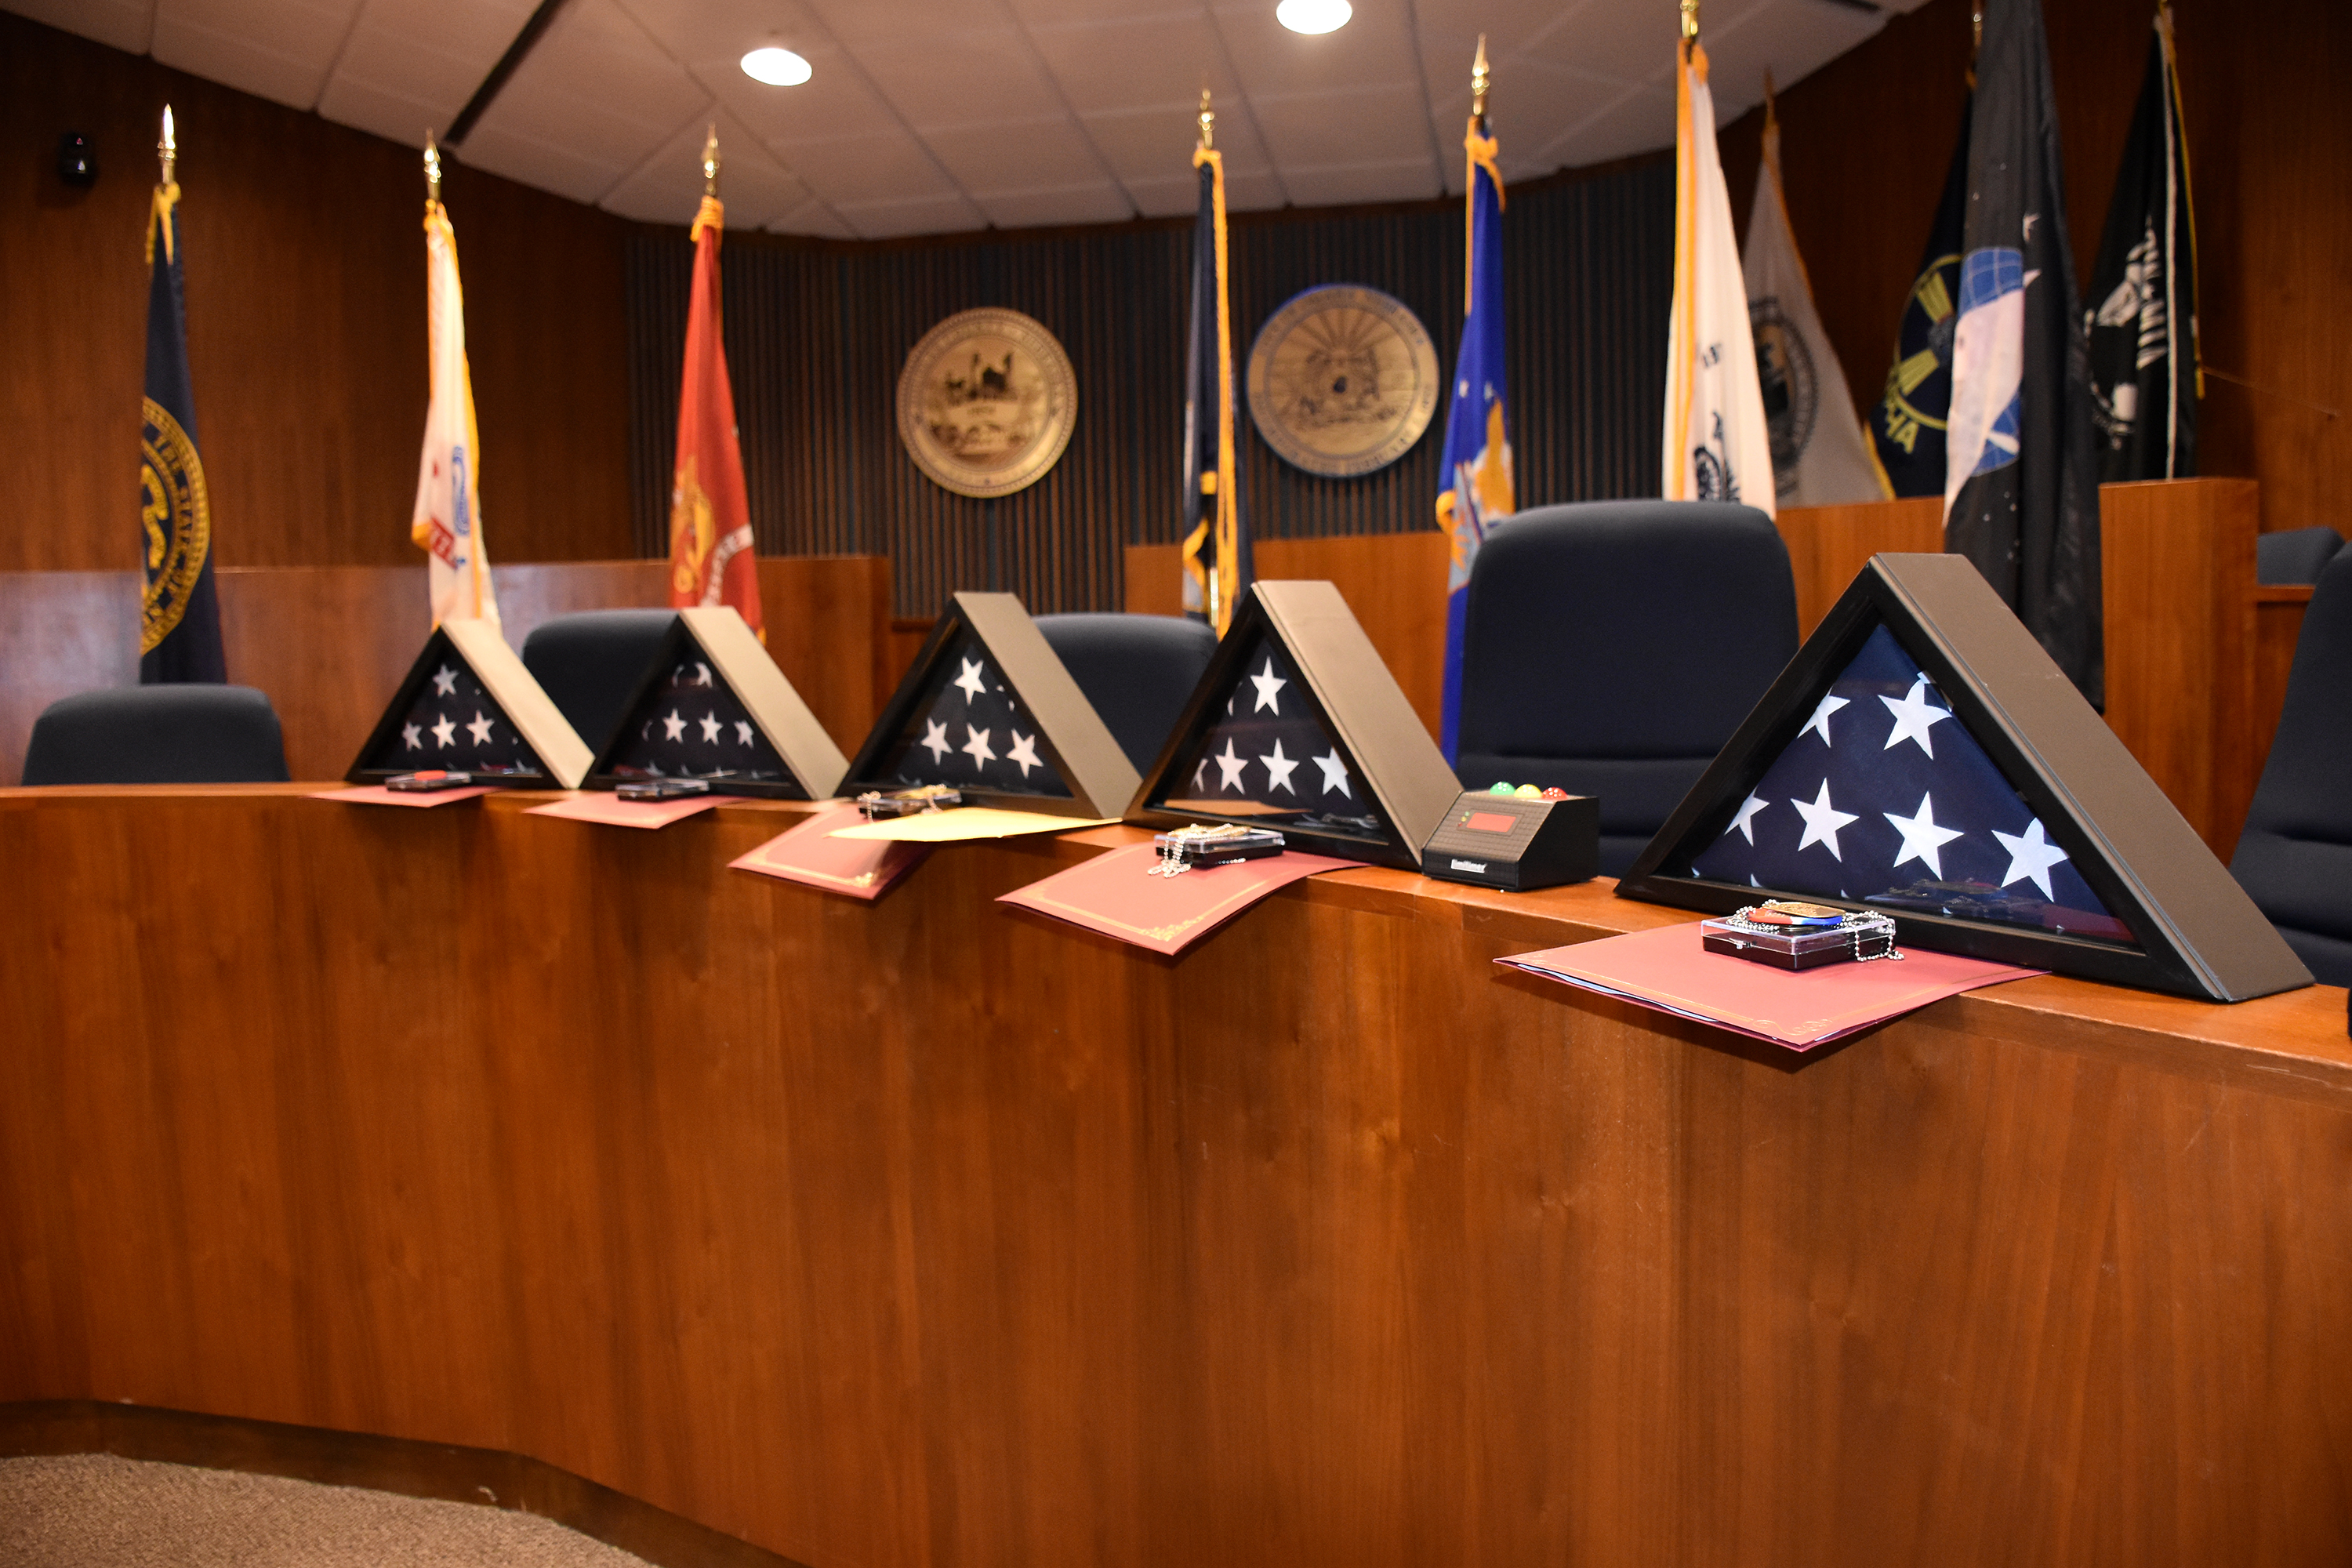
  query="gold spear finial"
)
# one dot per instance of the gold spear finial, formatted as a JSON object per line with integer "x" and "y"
{"x": 1690, "y": 19}
{"x": 710, "y": 163}
{"x": 1208, "y": 121}
{"x": 167, "y": 150}
{"x": 432, "y": 168}
{"x": 1479, "y": 81}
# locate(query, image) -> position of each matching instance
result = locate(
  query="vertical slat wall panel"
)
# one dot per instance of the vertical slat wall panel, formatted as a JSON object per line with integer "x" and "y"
{"x": 816, "y": 337}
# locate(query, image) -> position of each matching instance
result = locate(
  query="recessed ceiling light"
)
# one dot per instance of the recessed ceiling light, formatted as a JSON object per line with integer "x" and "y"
{"x": 781, "y": 68}
{"x": 1314, "y": 15}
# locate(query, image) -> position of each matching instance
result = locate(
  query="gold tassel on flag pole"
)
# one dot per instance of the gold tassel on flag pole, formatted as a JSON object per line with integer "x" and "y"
{"x": 1222, "y": 583}
{"x": 167, "y": 190}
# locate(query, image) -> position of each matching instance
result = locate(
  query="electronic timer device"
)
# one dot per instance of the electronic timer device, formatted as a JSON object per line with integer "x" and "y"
{"x": 1516, "y": 839}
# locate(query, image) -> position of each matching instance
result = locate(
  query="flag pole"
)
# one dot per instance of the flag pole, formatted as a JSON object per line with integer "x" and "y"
{"x": 710, "y": 162}
{"x": 1690, "y": 21}
{"x": 432, "y": 170}
{"x": 167, "y": 150}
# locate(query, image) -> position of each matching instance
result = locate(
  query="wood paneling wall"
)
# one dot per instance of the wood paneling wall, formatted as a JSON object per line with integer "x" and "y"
{"x": 1864, "y": 142}
{"x": 817, "y": 334}
{"x": 306, "y": 324}
{"x": 924, "y": 1232}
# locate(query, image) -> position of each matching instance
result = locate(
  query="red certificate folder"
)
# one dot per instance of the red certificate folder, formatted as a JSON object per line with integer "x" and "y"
{"x": 857, "y": 868}
{"x": 1116, "y": 895}
{"x": 1667, "y": 969}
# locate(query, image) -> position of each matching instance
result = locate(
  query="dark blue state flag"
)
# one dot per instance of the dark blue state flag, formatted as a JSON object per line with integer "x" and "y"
{"x": 1886, "y": 798}
{"x": 2021, "y": 485}
{"x": 179, "y": 624}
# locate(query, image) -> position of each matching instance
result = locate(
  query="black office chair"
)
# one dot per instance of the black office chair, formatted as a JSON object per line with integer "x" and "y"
{"x": 2295, "y": 555}
{"x": 1609, "y": 649}
{"x": 2294, "y": 857}
{"x": 158, "y": 734}
{"x": 588, "y": 665}
{"x": 1136, "y": 670}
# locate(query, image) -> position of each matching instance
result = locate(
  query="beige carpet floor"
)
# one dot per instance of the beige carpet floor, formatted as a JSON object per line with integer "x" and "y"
{"x": 93, "y": 1511}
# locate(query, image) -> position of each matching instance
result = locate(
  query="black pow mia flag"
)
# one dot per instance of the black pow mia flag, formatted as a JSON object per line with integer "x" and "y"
{"x": 2142, "y": 310}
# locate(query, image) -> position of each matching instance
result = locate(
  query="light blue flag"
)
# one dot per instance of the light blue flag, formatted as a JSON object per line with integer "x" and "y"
{"x": 1478, "y": 491}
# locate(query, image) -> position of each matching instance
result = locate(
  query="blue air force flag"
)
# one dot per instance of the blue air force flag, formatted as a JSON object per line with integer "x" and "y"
{"x": 1478, "y": 491}
{"x": 2021, "y": 486}
{"x": 1886, "y": 798}
{"x": 179, "y": 620}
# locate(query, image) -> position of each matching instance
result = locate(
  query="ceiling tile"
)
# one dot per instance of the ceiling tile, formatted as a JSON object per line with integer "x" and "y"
{"x": 281, "y": 51}
{"x": 814, "y": 218}
{"x": 1369, "y": 125}
{"x": 1054, "y": 207}
{"x": 413, "y": 64}
{"x": 1641, "y": 121}
{"x": 1029, "y": 154}
{"x": 127, "y": 24}
{"x": 1375, "y": 47}
{"x": 1170, "y": 196}
{"x": 1156, "y": 143}
{"x": 1791, "y": 39}
{"x": 1341, "y": 184}
{"x": 1138, "y": 64}
{"x": 1060, "y": 12}
{"x": 640, "y": 98}
{"x": 667, "y": 187}
{"x": 962, "y": 78}
{"x": 922, "y": 215}
{"x": 884, "y": 168}
{"x": 1253, "y": 193}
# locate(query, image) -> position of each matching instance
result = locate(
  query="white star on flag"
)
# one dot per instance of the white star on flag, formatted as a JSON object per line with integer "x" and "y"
{"x": 976, "y": 746}
{"x": 1914, "y": 719}
{"x": 1268, "y": 685}
{"x": 935, "y": 739}
{"x": 1744, "y": 823}
{"x": 701, "y": 673}
{"x": 673, "y": 727}
{"x": 1823, "y": 821}
{"x": 970, "y": 681}
{"x": 479, "y": 728}
{"x": 1023, "y": 752}
{"x": 1820, "y": 718}
{"x": 1229, "y": 767}
{"x": 445, "y": 732}
{"x": 1921, "y": 839}
{"x": 1334, "y": 773}
{"x": 445, "y": 682}
{"x": 2031, "y": 854}
{"x": 1200, "y": 775}
{"x": 742, "y": 732}
{"x": 1278, "y": 770}
{"x": 709, "y": 722}
{"x": 411, "y": 737}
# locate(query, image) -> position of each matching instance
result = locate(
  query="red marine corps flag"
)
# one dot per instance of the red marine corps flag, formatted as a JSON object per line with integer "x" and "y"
{"x": 710, "y": 559}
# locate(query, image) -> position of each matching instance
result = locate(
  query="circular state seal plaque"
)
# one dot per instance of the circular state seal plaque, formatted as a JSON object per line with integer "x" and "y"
{"x": 1343, "y": 380}
{"x": 986, "y": 402}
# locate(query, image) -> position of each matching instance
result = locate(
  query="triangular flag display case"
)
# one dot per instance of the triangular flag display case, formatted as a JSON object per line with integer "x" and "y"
{"x": 989, "y": 708}
{"x": 714, "y": 705}
{"x": 1297, "y": 725}
{"x": 1922, "y": 757}
{"x": 469, "y": 706}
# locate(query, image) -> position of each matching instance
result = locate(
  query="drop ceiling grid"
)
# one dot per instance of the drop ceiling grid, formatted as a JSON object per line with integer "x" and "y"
{"x": 928, "y": 116}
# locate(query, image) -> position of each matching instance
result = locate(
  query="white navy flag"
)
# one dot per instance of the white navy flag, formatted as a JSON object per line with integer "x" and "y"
{"x": 1716, "y": 444}
{"x": 1886, "y": 798}
{"x": 2021, "y": 486}
{"x": 974, "y": 733}
{"x": 1820, "y": 456}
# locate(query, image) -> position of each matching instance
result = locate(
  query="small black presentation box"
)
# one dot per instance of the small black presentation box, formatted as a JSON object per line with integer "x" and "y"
{"x": 1512, "y": 841}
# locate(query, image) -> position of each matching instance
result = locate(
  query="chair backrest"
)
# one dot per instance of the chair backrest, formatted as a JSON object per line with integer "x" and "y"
{"x": 2295, "y": 555}
{"x": 1610, "y": 648}
{"x": 588, "y": 665}
{"x": 1136, "y": 670}
{"x": 158, "y": 734}
{"x": 2294, "y": 857}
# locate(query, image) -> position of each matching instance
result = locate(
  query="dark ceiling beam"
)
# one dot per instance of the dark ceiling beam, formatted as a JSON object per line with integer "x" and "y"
{"x": 517, "y": 52}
